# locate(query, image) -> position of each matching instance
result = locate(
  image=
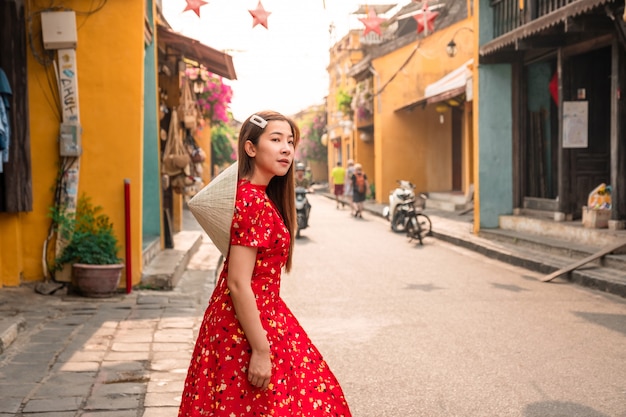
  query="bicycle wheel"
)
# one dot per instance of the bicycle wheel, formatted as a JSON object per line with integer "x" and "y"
{"x": 425, "y": 225}
{"x": 413, "y": 230}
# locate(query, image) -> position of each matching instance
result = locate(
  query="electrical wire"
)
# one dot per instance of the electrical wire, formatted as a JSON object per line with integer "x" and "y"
{"x": 395, "y": 74}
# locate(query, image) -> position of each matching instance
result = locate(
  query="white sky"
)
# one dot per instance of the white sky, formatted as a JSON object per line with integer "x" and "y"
{"x": 282, "y": 68}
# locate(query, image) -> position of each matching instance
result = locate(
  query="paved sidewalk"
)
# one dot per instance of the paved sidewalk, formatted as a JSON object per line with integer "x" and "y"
{"x": 119, "y": 357}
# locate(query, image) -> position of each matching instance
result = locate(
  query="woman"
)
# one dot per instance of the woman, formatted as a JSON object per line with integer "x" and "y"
{"x": 360, "y": 185}
{"x": 252, "y": 357}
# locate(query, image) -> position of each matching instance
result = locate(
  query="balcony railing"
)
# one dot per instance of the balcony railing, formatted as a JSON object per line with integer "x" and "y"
{"x": 508, "y": 16}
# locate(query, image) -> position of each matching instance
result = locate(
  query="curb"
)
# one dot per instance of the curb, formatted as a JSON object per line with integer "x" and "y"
{"x": 166, "y": 269}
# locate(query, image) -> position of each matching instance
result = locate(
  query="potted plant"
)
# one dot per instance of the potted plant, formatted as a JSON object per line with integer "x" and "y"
{"x": 90, "y": 246}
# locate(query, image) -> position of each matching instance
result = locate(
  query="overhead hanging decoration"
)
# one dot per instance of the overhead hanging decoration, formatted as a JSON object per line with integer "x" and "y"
{"x": 426, "y": 20}
{"x": 195, "y": 5}
{"x": 259, "y": 16}
{"x": 372, "y": 22}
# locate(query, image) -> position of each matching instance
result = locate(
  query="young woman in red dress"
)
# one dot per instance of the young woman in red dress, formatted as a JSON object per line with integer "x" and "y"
{"x": 252, "y": 357}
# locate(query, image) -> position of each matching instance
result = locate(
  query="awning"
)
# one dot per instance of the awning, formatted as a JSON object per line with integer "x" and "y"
{"x": 541, "y": 23}
{"x": 451, "y": 85}
{"x": 215, "y": 61}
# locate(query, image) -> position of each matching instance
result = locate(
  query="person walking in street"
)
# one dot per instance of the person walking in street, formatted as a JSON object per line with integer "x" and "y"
{"x": 252, "y": 357}
{"x": 337, "y": 178}
{"x": 360, "y": 185}
{"x": 347, "y": 184}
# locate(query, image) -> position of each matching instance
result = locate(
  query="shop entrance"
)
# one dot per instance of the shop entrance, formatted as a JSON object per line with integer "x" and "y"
{"x": 588, "y": 79}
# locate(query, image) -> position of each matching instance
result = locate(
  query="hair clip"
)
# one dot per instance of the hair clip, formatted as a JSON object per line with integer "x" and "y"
{"x": 258, "y": 120}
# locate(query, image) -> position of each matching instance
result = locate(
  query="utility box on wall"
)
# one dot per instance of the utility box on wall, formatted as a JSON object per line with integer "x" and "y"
{"x": 59, "y": 30}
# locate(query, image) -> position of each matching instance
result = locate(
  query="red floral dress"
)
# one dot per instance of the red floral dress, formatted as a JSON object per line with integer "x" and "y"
{"x": 302, "y": 383}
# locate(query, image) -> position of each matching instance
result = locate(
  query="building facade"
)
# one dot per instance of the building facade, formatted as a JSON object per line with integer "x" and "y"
{"x": 550, "y": 117}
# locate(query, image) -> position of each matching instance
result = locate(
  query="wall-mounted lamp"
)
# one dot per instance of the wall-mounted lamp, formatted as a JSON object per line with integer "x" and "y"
{"x": 451, "y": 46}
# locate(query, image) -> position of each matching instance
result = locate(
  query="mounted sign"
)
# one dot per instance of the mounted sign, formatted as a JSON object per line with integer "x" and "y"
{"x": 575, "y": 124}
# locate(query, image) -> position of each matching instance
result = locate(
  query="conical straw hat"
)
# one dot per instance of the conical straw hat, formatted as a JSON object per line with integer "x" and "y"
{"x": 214, "y": 206}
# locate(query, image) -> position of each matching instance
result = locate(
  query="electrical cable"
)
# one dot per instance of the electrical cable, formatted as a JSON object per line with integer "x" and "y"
{"x": 404, "y": 64}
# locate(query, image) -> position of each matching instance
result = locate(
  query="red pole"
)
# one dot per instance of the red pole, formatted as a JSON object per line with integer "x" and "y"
{"x": 129, "y": 275}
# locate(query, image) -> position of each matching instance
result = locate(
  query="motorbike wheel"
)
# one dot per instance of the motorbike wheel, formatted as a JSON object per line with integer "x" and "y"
{"x": 397, "y": 221}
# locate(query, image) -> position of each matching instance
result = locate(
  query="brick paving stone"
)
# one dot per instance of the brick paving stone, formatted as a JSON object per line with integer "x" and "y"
{"x": 159, "y": 412}
{"x": 170, "y": 365}
{"x": 127, "y": 336}
{"x": 53, "y": 389}
{"x": 145, "y": 300}
{"x": 124, "y": 366}
{"x": 172, "y": 335}
{"x": 176, "y": 323}
{"x": 16, "y": 389}
{"x": 82, "y": 356}
{"x": 130, "y": 347}
{"x": 23, "y": 372}
{"x": 169, "y": 347}
{"x": 162, "y": 399}
{"x": 117, "y": 413}
{"x": 127, "y": 356}
{"x": 75, "y": 366}
{"x": 168, "y": 376}
{"x": 165, "y": 386}
{"x": 53, "y": 404}
{"x": 122, "y": 388}
{"x": 114, "y": 402}
{"x": 183, "y": 354}
{"x": 10, "y": 404}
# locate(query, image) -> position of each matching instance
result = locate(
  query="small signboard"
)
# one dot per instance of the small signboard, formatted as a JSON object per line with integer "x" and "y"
{"x": 575, "y": 124}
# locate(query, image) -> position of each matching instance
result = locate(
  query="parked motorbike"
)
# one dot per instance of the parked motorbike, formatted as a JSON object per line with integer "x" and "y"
{"x": 303, "y": 209}
{"x": 397, "y": 210}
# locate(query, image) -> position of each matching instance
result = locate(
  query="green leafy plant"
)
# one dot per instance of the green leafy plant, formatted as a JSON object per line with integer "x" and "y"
{"x": 88, "y": 234}
{"x": 344, "y": 101}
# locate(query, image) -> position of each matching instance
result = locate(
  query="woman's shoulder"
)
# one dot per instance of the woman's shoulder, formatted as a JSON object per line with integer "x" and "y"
{"x": 251, "y": 194}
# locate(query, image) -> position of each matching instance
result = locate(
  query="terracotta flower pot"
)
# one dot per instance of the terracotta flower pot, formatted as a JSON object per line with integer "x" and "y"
{"x": 97, "y": 281}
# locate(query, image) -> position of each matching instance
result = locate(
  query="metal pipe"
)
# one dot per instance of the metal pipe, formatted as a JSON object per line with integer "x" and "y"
{"x": 129, "y": 275}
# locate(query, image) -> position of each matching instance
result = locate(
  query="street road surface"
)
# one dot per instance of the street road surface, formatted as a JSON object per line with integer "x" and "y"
{"x": 441, "y": 331}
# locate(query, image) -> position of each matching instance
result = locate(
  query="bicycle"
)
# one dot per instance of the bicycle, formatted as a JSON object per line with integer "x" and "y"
{"x": 418, "y": 224}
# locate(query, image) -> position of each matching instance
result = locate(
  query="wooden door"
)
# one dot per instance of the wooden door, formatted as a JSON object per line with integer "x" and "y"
{"x": 590, "y": 79}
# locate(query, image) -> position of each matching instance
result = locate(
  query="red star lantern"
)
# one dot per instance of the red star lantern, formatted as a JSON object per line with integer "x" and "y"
{"x": 426, "y": 20}
{"x": 195, "y": 5}
{"x": 372, "y": 22}
{"x": 259, "y": 16}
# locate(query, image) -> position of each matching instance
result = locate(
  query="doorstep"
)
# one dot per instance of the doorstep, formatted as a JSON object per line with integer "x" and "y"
{"x": 166, "y": 268}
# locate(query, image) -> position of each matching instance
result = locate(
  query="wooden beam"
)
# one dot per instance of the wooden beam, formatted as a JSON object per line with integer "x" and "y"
{"x": 604, "y": 251}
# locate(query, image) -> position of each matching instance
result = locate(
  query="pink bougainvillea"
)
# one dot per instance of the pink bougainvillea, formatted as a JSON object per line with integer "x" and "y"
{"x": 213, "y": 96}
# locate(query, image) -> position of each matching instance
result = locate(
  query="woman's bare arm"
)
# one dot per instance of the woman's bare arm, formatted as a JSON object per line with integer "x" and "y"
{"x": 240, "y": 267}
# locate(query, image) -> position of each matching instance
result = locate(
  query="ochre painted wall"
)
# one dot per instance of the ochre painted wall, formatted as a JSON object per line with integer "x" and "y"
{"x": 110, "y": 69}
{"x": 413, "y": 144}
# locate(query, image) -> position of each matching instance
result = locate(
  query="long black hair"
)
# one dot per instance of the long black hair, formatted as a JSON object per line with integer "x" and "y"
{"x": 280, "y": 188}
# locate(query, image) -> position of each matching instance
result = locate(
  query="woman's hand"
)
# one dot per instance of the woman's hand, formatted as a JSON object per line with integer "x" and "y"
{"x": 260, "y": 369}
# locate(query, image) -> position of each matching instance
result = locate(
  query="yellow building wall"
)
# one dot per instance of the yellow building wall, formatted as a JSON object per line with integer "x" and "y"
{"x": 414, "y": 144}
{"x": 110, "y": 54}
